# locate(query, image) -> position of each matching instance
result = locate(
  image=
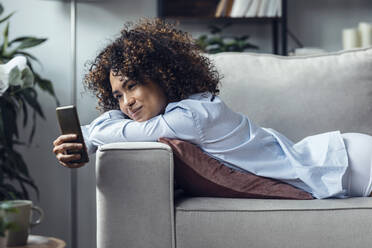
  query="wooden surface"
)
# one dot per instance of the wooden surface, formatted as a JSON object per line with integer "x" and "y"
{"x": 36, "y": 241}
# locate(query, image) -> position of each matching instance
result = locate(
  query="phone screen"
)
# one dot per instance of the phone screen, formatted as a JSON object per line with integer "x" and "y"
{"x": 69, "y": 124}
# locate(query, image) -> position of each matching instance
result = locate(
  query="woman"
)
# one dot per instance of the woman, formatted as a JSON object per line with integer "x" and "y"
{"x": 153, "y": 82}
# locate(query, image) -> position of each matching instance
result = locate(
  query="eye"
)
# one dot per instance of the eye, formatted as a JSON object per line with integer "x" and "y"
{"x": 117, "y": 97}
{"x": 131, "y": 86}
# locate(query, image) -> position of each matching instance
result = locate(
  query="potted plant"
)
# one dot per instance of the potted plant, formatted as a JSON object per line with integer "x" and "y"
{"x": 18, "y": 97}
{"x": 218, "y": 43}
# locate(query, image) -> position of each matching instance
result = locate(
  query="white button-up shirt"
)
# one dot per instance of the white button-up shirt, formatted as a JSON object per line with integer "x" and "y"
{"x": 317, "y": 164}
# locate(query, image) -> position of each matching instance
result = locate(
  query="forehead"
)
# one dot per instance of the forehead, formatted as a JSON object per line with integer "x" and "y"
{"x": 118, "y": 77}
{"x": 118, "y": 81}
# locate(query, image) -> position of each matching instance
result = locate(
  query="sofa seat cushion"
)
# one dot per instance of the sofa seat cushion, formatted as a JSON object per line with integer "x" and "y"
{"x": 201, "y": 204}
{"x": 241, "y": 223}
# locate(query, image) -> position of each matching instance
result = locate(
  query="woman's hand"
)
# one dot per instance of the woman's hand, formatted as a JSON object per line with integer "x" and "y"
{"x": 61, "y": 145}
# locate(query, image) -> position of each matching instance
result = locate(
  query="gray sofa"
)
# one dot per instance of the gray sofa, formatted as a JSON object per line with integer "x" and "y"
{"x": 297, "y": 96}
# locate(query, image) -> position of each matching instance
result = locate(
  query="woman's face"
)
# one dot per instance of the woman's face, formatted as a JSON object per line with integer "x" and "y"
{"x": 140, "y": 102}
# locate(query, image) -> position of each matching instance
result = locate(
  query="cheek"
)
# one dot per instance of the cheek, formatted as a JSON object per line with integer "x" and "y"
{"x": 159, "y": 103}
{"x": 153, "y": 106}
{"x": 163, "y": 104}
{"x": 122, "y": 109}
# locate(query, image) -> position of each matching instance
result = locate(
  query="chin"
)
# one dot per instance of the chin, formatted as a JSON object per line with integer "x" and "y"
{"x": 140, "y": 119}
{"x": 145, "y": 118}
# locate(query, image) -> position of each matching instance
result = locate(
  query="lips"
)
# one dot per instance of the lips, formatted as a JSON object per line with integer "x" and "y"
{"x": 134, "y": 112}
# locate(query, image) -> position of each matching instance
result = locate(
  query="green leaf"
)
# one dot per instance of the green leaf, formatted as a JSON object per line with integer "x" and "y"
{"x": 19, "y": 39}
{"x": 25, "y": 193}
{"x": 29, "y": 182}
{"x": 5, "y": 194}
{"x": 47, "y": 86}
{"x": 1, "y": 176}
{"x": 25, "y": 113}
{"x": 202, "y": 37}
{"x": 214, "y": 29}
{"x": 15, "y": 77}
{"x": 19, "y": 173}
{"x": 8, "y": 168}
{"x": 27, "y": 78}
{"x": 5, "y": 34}
{"x": 31, "y": 67}
{"x": 30, "y": 42}
{"x": 33, "y": 127}
{"x": 7, "y": 17}
{"x": 20, "y": 163}
{"x": 215, "y": 40}
{"x": 221, "y": 43}
{"x": 8, "y": 116}
{"x": 30, "y": 96}
{"x": 10, "y": 188}
{"x": 44, "y": 84}
{"x": 28, "y": 56}
{"x": 2, "y": 133}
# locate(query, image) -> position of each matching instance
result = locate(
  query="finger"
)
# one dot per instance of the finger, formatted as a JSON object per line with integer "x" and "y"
{"x": 72, "y": 165}
{"x": 68, "y": 157}
{"x": 68, "y": 146}
{"x": 63, "y": 138}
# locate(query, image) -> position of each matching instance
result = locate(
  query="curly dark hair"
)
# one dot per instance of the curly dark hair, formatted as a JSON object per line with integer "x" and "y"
{"x": 155, "y": 49}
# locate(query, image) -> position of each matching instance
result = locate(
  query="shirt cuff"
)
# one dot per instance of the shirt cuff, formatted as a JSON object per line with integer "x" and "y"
{"x": 90, "y": 147}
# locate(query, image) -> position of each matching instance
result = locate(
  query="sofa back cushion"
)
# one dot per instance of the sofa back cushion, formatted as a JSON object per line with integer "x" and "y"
{"x": 200, "y": 175}
{"x": 300, "y": 96}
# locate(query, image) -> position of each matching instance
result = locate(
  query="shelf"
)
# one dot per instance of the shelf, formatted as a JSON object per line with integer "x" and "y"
{"x": 189, "y": 8}
{"x": 238, "y": 19}
{"x": 205, "y": 10}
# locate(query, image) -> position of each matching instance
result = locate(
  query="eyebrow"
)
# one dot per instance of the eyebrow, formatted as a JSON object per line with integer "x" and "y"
{"x": 122, "y": 85}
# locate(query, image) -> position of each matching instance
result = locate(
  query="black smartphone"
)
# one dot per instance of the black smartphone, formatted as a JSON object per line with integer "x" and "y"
{"x": 69, "y": 124}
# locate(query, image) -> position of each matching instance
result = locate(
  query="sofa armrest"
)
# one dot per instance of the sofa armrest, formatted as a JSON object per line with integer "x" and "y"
{"x": 135, "y": 195}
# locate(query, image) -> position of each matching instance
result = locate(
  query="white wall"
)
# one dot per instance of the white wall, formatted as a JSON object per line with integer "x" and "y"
{"x": 319, "y": 23}
{"x": 315, "y": 23}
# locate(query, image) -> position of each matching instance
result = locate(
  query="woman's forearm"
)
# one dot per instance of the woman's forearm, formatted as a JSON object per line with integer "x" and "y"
{"x": 112, "y": 127}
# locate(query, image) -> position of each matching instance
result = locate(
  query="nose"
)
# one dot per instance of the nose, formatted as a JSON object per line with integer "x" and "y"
{"x": 128, "y": 100}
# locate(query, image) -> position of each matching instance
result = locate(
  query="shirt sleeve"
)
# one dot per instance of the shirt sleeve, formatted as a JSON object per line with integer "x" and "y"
{"x": 112, "y": 126}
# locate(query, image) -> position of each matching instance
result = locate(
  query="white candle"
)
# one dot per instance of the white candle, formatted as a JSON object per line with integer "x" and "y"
{"x": 350, "y": 38}
{"x": 365, "y": 31}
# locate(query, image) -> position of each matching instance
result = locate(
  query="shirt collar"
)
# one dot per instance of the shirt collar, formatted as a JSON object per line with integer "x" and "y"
{"x": 201, "y": 96}
{"x": 198, "y": 96}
